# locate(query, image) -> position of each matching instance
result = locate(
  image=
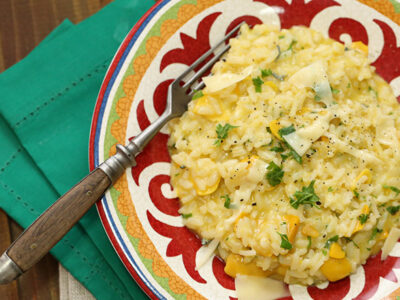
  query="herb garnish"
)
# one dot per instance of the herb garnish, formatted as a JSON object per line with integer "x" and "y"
{"x": 350, "y": 240}
{"x": 291, "y": 45}
{"x": 278, "y": 148}
{"x": 363, "y": 218}
{"x": 356, "y": 194}
{"x": 258, "y": 84}
{"x": 227, "y": 203}
{"x": 370, "y": 89}
{"x": 266, "y": 72}
{"x": 333, "y": 239}
{"x": 309, "y": 242}
{"x": 375, "y": 231}
{"x": 186, "y": 216}
{"x": 281, "y": 37}
{"x": 305, "y": 196}
{"x": 274, "y": 174}
{"x": 334, "y": 91}
{"x": 393, "y": 188}
{"x": 285, "y": 244}
{"x": 393, "y": 209}
{"x": 286, "y": 130}
{"x": 222, "y": 132}
{"x": 330, "y": 189}
{"x": 197, "y": 94}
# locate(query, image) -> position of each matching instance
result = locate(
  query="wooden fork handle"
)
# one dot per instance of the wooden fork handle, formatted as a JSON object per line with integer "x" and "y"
{"x": 57, "y": 220}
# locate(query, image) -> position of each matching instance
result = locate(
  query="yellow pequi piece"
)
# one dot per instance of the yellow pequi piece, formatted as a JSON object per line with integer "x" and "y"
{"x": 360, "y": 46}
{"x": 336, "y": 251}
{"x": 274, "y": 126}
{"x": 293, "y": 223}
{"x": 235, "y": 265}
{"x": 359, "y": 226}
{"x": 309, "y": 230}
{"x": 336, "y": 269}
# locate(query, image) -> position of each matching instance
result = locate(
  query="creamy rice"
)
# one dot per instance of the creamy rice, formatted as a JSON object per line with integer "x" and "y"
{"x": 289, "y": 157}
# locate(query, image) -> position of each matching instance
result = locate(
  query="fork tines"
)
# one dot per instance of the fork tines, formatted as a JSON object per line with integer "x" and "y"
{"x": 209, "y": 64}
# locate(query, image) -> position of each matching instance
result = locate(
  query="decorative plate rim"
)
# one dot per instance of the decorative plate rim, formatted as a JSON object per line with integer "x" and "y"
{"x": 116, "y": 64}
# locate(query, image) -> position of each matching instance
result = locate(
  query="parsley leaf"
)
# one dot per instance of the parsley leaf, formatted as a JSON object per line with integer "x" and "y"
{"x": 317, "y": 97}
{"x": 278, "y": 148}
{"x": 197, "y": 94}
{"x": 375, "y": 231}
{"x": 286, "y": 130}
{"x": 393, "y": 209}
{"x": 350, "y": 240}
{"x": 370, "y": 89}
{"x": 305, "y": 196}
{"x": 227, "y": 203}
{"x": 285, "y": 244}
{"x": 295, "y": 156}
{"x": 258, "y": 84}
{"x": 291, "y": 45}
{"x": 330, "y": 189}
{"x": 186, "y": 216}
{"x": 266, "y": 72}
{"x": 393, "y": 188}
{"x": 281, "y": 37}
{"x": 363, "y": 218}
{"x": 222, "y": 132}
{"x": 356, "y": 194}
{"x": 309, "y": 242}
{"x": 274, "y": 174}
{"x": 333, "y": 239}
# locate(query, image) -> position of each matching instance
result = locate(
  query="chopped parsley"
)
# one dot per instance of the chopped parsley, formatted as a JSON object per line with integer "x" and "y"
{"x": 285, "y": 244}
{"x": 186, "y": 216}
{"x": 266, "y": 72}
{"x": 356, "y": 194}
{"x": 375, "y": 231}
{"x": 370, "y": 89}
{"x": 281, "y": 37}
{"x": 329, "y": 242}
{"x": 330, "y": 189}
{"x": 393, "y": 188}
{"x": 309, "y": 242}
{"x": 296, "y": 156}
{"x": 350, "y": 240}
{"x": 278, "y": 148}
{"x": 291, "y": 45}
{"x": 227, "y": 203}
{"x": 324, "y": 252}
{"x": 222, "y": 132}
{"x": 363, "y": 218}
{"x": 286, "y": 130}
{"x": 305, "y": 196}
{"x": 393, "y": 209}
{"x": 258, "y": 84}
{"x": 274, "y": 174}
{"x": 335, "y": 91}
{"x": 317, "y": 97}
{"x": 197, "y": 94}
{"x": 349, "y": 85}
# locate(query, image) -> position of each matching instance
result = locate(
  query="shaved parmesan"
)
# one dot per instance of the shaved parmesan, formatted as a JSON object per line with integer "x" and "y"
{"x": 221, "y": 81}
{"x": 302, "y": 139}
{"x": 391, "y": 240}
{"x": 314, "y": 76}
{"x": 252, "y": 287}
{"x": 205, "y": 253}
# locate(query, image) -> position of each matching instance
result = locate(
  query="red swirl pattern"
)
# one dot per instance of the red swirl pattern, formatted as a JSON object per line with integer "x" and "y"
{"x": 184, "y": 242}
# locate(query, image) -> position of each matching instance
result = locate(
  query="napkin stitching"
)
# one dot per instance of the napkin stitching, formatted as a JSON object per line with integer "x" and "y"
{"x": 8, "y": 162}
{"x": 93, "y": 266}
{"x": 75, "y": 83}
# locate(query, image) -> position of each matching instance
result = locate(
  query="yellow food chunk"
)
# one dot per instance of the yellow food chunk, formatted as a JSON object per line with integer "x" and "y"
{"x": 293, "y": 223}
{"x": 360, "y": 46}
{"x": 209, "y": 190}
{"x": 336, "y": 251}
{"x": 281, "y": 270}
{"x": 336, "y": 269}
{"x": 272, "y": 85}
{"x": 366, "y": 173}
{"x": 309, "y": 230}
{"x": 207, "y": 107}
{"x": 324, "y": 139}
{"x": 384, "y": 235}
{"x": 302, "y": 111}
{"x": 359, "y": 226}
{"x": 235, "y": 265}
{"x": 275, "y": 126}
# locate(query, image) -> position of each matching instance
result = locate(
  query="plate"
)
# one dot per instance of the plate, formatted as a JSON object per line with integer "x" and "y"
{"x": 140, "y": 212}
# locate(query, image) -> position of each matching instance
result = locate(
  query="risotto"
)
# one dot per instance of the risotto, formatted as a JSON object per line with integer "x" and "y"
{"x": 287, "y": 162}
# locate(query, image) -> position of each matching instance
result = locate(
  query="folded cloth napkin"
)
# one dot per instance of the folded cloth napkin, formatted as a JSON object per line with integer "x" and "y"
{"x": 46, "y": 106}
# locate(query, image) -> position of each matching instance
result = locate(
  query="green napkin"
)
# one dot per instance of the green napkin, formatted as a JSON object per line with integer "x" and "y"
{"x": 47, "y": 101}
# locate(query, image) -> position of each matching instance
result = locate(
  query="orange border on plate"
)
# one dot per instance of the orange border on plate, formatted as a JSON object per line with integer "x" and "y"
{"x": 118, "y": 130}
{"x": 385, "y": 7}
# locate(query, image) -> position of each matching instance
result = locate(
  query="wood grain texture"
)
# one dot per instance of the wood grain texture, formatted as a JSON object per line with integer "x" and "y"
{"x": 23, "y": 25}
{"x": 37, "y": 240}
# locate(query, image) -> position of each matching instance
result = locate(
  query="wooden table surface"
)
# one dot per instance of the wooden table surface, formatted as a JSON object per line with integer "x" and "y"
{"x": 23, "y": 24}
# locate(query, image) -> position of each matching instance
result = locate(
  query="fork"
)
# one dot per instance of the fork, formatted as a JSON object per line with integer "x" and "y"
{"x": 37, "y": 240}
